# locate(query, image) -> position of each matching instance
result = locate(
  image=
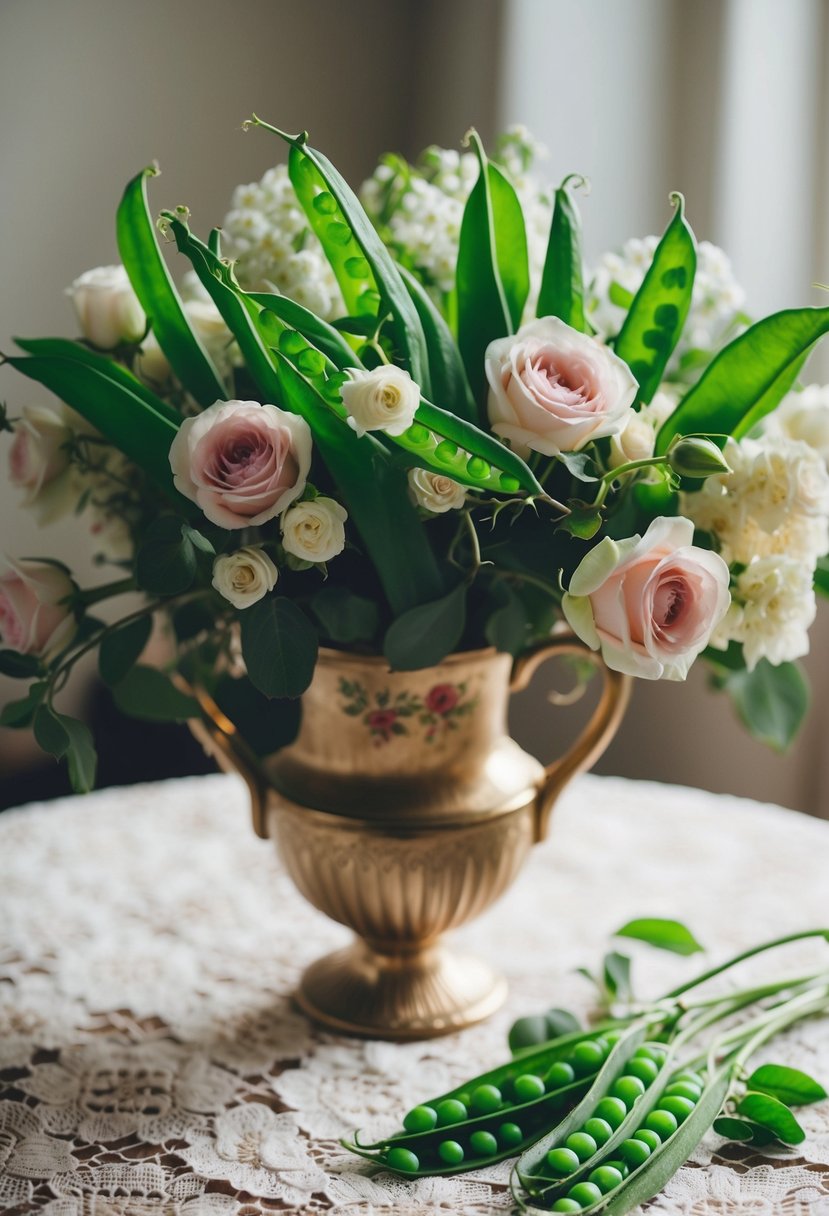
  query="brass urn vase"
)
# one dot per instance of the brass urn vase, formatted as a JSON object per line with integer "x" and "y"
{"x": 402, "y": 810}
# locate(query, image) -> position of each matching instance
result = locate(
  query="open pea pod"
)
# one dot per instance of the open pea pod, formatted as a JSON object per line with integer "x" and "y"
{"x": 748, "y": 378}
{"x": 659, "y": 310}
{"x": 152, "y": 283}
{"x": 317, "y": 332}
{"x": 562, "y": 281}
{"x": 349, "y": 221}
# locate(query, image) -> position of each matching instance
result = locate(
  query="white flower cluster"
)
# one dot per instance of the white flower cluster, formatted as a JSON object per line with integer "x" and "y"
{"x": 715, "y": 314}
{"x": 803, "y": 415}
{"x": 770, "y": 516}
{"x": 267, "y": 234}
{"x": 421, "y": 207}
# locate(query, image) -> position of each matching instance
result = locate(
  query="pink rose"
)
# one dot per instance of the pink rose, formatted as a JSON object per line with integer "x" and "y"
{"x": 33, "y": 620}
{"x": 39, "y": 461}
{"x": 553, "y": 389}
{"x": 242, "y": 462}
{"x": 651, "y": 602}
{"x": 442, "y": 699}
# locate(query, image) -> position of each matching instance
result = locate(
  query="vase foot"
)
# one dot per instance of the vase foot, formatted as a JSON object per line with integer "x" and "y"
{"x": 415, "y": 996}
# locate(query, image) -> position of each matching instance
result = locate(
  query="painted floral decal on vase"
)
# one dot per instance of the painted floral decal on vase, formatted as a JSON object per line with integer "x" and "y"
{"x": 386, "y": 715}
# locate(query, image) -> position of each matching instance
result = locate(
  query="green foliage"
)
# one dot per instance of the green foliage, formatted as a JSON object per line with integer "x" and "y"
{"x": 424, "y": 635}
{"x": 318, "y": 333}
{"x": 450, "y": 387}
{"x": 121, "y": 649}
{"x": 507, "y": 626}
{"x": 822, "y": 576}
{"x": 663, "y": 934}
{"x": 771, "y": 702}
{"x": 20, "y": 714}
{"x": 165, "y": 563}
{"x": 345, "y": 617}
{"x": 265, "y": 723}
{"x": 18, "y": 666}
{"x": 616, "y": 969}
{"x": 541, "y": 1028}
{"x": 147, "y": 693}
{"x": 62, "y": 736}
{"x": 279, "y": 645}
{"x": 562, "y": 280}
{"x": 788, "y": 1085}
{"x": 770, "y": 1112}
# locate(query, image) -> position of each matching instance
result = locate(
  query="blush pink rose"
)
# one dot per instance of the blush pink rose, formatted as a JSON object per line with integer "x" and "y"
{"x": 39, "y": 461}
{"x": 242, "y": 462}
{"x": 651, "y": 602}
{"x": 33, "y": 620}
{"x": 553, "y": 389}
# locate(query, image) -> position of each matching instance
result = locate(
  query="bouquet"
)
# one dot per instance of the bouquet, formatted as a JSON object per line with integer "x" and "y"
{"x": 411, "y": 425}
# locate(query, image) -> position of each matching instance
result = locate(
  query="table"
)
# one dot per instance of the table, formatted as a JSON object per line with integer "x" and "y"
{"x": 151, "y": 1061}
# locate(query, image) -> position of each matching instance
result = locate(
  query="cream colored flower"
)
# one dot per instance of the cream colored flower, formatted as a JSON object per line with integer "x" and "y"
{"x": 772, "y": 609}
{"x": 384, "y": 399}
{"x": 245, "y": 576}
{"x": 314, "y": 531}
{"x": 39, "y": 461}
{"x": 107, "y": 307}
{"x": 435, "y": 492}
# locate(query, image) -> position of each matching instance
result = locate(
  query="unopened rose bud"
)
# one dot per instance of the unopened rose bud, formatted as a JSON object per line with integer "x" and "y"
{"x": 108, "y": 309}
{"x": 697, "y": 457}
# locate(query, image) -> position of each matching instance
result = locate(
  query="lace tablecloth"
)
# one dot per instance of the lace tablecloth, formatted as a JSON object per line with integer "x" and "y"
{"x": 151, "y": 1061}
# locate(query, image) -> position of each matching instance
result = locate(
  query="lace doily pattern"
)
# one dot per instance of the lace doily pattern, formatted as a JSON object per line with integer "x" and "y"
{"x": 151, "y": 1062}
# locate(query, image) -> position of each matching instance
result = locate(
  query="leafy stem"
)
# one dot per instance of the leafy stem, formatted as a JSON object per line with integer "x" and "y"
{"x": 622, "y": 470}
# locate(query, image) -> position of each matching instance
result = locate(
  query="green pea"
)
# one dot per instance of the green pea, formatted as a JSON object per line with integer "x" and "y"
{"x": 325, "y": 203}
{"x": 527, "y": 1087}
{"x": 486, "y": 1099}
{"x": 420, "y": 1119}
{"x": 476, "y": 467}
{"x": 465, "y": 1098}
{"x": 646, "y": 1070}
{"x": 679, "y": 1107}
{"x": 634, "y": 1152}
{"x": 566, "y": 1205}
{"x": 340, "y": 234}
{"x": 621, "y": 1166}
{"x": 663, "y": 1122}
{"x": 446, "y": 450}
{"x": 606, "y": 1178}
{"x": 613, "y": 1110}
{"x": 628, "y": 1088}
{"x": 311, "y": 362}
{"x": 562, "y": 1161}
{"x": 612, "y": 1037}
{"x": 402, "y": 1159}
{"x": 368, "y": 301}
{"x": 509, "y": 484}
{"x": 559, "y": 1074}
{"x": 357, "y": 268}
{"x": 509, "y": 1135}
{"x": 599, "y": 1129}
{"x": 693, "y": 1077}
{"x": 584, "y": 1193}
{"x": 450, "y": 1110}
{"x": 451, "y": 1152}
{"x": 291, "y": 343}
{"x": 648, "y": 1136}
{"x": 684, "y": 1089}
{"x": 583, "y": 1145}
{"x": 587, "y": 1057}
{"x": 649, "y": 1053}
{"x": 483, "y": 1144}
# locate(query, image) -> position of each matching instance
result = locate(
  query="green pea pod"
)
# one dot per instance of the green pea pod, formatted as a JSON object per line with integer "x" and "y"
{"x": 492, "y": 272}
{"x": 748, "y": 378}
{"x": 562, "y": 281}
{"x": 660, "y": 307}
{"x": 151, "y": 281}
{"x": 349, "y": 215}
{"x": 317, "y": 332}
{"x": 449, "y": 383}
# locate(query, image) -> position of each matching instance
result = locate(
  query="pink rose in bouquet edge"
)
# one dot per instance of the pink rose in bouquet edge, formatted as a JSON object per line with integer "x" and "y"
{"x": 33, "y": 617}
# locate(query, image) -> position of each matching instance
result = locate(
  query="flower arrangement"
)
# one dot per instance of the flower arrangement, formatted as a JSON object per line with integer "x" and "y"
{"x": 412, "y": 425}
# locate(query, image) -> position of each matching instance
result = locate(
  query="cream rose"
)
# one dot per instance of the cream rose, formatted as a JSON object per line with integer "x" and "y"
{"x": 39, "y": 461}
{"x": 33, "y": 618}
{"x": 651, "y": 602}
{"x": 314, "y": 531}
{"x": 435, "y": 492}
{"x": 384, "y": 399}
{"x": 107, "y": 307}
{"x": 245, "y": 576}
{"x": 242, "y": 462}
{"x": 553, "y": 389}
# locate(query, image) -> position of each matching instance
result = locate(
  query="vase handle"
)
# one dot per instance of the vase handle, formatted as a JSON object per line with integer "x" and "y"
{"x": 596, "y": 735}
{"x": 220, "y": 739}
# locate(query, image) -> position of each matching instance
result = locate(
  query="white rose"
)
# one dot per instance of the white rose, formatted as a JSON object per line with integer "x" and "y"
{"x": 805, "y": 416}
{"x": 107, "y": 307}
{"x": 435, "y": 492}
{"x": 634, "y": 442}
{"x": 39, "y": 461}
{"x": 314, "y": 531}
{"x": 245, "y": 576}
{"x": 553, "y": 389}
{"x": 151, "y": 364}
{"x": 384, "y": 399}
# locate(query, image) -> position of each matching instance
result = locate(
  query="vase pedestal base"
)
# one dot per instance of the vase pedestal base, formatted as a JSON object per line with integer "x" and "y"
{"x": 404, "y": 996}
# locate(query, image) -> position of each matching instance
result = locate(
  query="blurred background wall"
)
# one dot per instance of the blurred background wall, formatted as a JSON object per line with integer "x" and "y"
{"x": 727, "y": 100}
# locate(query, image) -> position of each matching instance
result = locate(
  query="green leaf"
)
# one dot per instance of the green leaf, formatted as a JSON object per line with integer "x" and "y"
{"x": 189, "y": 620}
{"x": 18, "y": 666}
{"x": 659, "y": 310}
{"x": 199, "y": 540}
{"x": 789, "y": 1085}
{"x": 450, "y": 387}
{"x": 822, "y": 576}
{"x": 526, "y": 1032}
{"x": 153, "y": 284}
{"x": 344, "y": 616}
{"x": 492, "y": 268}
{"x": 147, "y": 693}
{"x": 770, "y": 701}
{"x": 81, "y": 756}
{"x": 50, "y": 733}
{"x": 125, "y": 417}
{"x": 122, "y": 648}
{"x": 748, "y": 378}
{"x": 165, "y": 564}
{"x": 617, "y": 976}
{"x": 265, "y": 724}
{"x": 317, "y": 332}
{"x": 769, "y": 1112}
{"x": 561, "y": 1022}
{"x": 583, "y": 521}
{"x": 506, "y": 628}
{"x": 424, "y": 635}
{"x": 733, "y": 1129}
{"x": 562, "y": 280}
{"x": 663, "y": 934}
{"x": 19, "y": 714}
{"x": 279, "y": 645}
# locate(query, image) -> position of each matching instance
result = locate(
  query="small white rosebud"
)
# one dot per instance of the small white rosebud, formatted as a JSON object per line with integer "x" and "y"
{"x": 245, "y": 576}
{"x": 314, "y": 531}
{"x": 384, "y": 399}
{"x": 108, "y": 309}
{"x": 435, "y": 492}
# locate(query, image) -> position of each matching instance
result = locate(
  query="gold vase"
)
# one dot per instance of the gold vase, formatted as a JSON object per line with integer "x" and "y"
{"x": 402, "y": 810}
